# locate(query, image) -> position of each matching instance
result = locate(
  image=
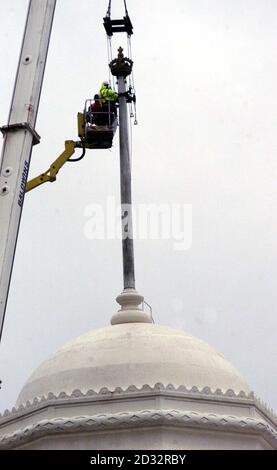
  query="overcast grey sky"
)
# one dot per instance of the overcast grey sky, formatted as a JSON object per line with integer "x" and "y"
{"x": 205, "y": 75}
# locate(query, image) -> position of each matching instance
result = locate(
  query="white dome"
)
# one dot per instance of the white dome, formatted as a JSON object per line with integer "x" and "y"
{"x": 132, "y": 354}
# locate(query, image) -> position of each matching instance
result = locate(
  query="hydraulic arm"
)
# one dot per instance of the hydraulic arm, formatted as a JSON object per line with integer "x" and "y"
{"x": 96, "y": 138}
{"x": 51, "y": 173}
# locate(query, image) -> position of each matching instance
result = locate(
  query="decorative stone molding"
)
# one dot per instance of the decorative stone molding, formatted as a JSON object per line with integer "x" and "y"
{"x": 106, "y": 422}
{"x": 132, "y": 391}
{"x": 129, "y": 300}
{"x": 158, "y": 388}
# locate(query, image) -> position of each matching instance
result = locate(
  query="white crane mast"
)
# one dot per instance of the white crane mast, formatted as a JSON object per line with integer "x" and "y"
{"x": 20, "y": 135}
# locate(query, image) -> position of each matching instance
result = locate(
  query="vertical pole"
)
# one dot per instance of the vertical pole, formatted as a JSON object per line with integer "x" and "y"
{"x": 126, "y": 190}
{"x": 121, "y": 67}
{"x": 129, "y": 299}
{"x": 20, "y": 135}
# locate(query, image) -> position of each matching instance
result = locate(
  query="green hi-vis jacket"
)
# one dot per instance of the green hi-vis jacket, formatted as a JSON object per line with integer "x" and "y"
{"x": 107, "y": 94}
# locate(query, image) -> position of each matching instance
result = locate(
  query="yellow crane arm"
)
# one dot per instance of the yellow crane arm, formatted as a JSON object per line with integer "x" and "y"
{"x": 50, "y": 174}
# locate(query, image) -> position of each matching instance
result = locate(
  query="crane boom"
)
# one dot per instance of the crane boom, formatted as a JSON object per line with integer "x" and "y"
{"x": 20, "y": 135}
